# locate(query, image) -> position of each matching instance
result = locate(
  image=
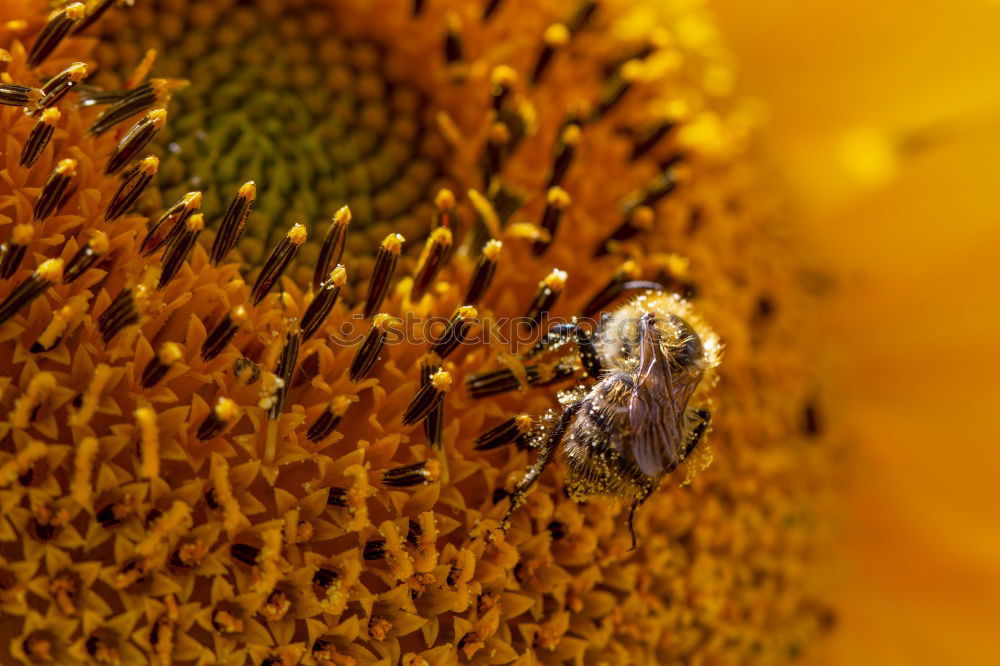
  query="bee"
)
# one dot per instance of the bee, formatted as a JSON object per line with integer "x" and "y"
{"x": 650, "y": 363}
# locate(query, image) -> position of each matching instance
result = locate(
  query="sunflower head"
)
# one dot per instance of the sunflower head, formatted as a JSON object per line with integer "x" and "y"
{"x": 272, "y": 271}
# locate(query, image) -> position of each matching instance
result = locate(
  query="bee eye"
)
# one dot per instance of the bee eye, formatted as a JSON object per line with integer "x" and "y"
{"x": 690, "y": 350}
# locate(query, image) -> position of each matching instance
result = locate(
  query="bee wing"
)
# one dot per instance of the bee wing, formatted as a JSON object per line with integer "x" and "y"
{"x": 656, "y": 408}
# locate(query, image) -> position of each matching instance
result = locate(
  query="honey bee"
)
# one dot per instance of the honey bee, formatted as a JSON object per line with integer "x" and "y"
{"x": 651, "y": 361}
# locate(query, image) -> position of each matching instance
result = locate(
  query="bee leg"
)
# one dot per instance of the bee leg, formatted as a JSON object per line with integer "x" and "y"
{"x": 555, "y": 338}
{"x": 636, "y": 503}
{"x": 544, "y": 458}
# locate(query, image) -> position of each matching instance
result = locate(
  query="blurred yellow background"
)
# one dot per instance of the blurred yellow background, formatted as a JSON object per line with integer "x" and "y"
{"x": 886, "y": 119}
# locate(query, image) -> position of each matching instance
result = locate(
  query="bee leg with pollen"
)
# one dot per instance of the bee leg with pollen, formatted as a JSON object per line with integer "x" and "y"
{"x": 549, "y": 447}
{"x": 636, "y": 503}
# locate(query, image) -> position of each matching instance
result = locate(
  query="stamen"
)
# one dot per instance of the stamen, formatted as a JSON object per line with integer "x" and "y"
{"x": 371, "y": 348}
{"x": 58, "y": 26}
{"x": 12, "y": 252}
{"x": 332, "y": 250}
{"x": 223, "y": 332}
{"x": 374, "y": 550}
{"x": 554, "y": 38}
{"x": 581, "y": 16}
{"x": 233, "y": 222}
{"x": 5, "y": 59}
{"x": 12, "y": 94}
{"x": 385, "y": 266}
{"x": 60, "y": 321}
{"x": 123, "y": 311}
{"x": 136, "y": 140}
{"x": 86, "y": 256}
{"x": 502, "y": 80}
{"x": 444, "y": 209}
{"x": 494, "y": 382}
{"x": 284, "y": 369}
{"x": 276, "y": 264}
{"x": 337, "y": 497}
{"x": 432, "y": 259}
{"x": 170, "y": 224}
{"x": 95, "y": 13}
{"x": 223, "y": 489}
{"x": 453, "y": 52}
{"x": 60, "y": 84}
{"x": 179, "y": 249}
{"x": 498, "y": 140}
{"x": 246, "y": 371}
{"x": 83, "y": 470}
{"x": 434, "y": 426}
{"x": 637, "y": 219}
{"x": 54, "y": 191}
{"x": 486, "y": 268}
{"x": 423, "y": 472}
{"x": 563, "y": 153}
{"x": 512, "y": 430}
{"x": 396, "y": 558}
{"x": 149, "y": 443}
{"x": 423, "y": 535}
{"x": 548, "y": 293}
{"x": 626, "y": 272}
{"x": 167, "y": 525}
{"x": 650, "y": 137}
{"x": 158, "y": 366}
{"x": 321, "y": 305}
{"x": 418, "y": 7}
{"x": 26, "y": 406}
{"x": 133, "y": 184}
{"x": 224, "y": 414}
{"x": 427, "y": 398}
{"x": 267, "y": 561}
{"x": 152, "y": 93}
{"x": 615, "y": 88}
{"x": 490, "y": 8}
{"x": 47, "y": 274}
{"x": 39, "y": 137}
{"x": 556, "y": 201}
{"x": 328, "y": 420}
{"x": 454, "y": 334}
{"x": 91, "y": 396}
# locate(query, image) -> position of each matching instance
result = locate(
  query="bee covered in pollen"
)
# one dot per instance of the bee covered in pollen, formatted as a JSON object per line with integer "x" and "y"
{"x": 651, "y": 361}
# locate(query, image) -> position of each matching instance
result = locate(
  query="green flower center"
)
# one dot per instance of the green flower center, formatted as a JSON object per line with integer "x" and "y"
{"x": 277, "y": 97}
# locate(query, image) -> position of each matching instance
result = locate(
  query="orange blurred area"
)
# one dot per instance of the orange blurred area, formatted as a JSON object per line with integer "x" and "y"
{"x": 885, "y": 118}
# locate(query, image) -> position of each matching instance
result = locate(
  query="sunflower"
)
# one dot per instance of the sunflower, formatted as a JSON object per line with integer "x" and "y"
{"x": 260, "y": 257}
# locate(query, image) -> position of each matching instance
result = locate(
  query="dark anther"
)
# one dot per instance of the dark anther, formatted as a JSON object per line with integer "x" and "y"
{"x": 486, "y": 267}
{"x": 55, "y": 190}
{"x": 374, "y": 549}
{"x": 411, "y": 475}
{"x": 39, "y": 138}
{"x": 133, "y": 184}
{"x": 277, "y": 262}
{"x": 337, "y": 497}
{"x": 135, "y": 140}
{"x": 332, "y": 250}
{"x": 233, "y": 222}
{"x": 244, "y": 553}
{"x": 171, "y": 224}
{"x": 385, "y": 266}
{"x": 556, "y": 202}
{"x": 223, "y": 332}
{"x": 322, "y": 303}
{"x": 56, "y": 28}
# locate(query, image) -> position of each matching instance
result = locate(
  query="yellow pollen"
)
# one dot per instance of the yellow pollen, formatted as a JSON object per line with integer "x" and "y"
{"x": 227, "y": 410}
{"x": 556, "y": 35}
{"x": 468, "y": 312}
{"x": 555, "y": 280}
{"x": 441, "y": 236}
{"x": 643, "y": 217}
{"x": 492, "y": 250}
{"x": 248, "y": 191}
{"x": 232, "y": 516}
{"x": 571, "y": 135}
{"x": 195, "y": 223}
{"x": 445, "y": 199}
{"x": 238, "y": 315}
{"x": 557, "y": 197}
{"x": 397, "y": 559}
{"x": 170, "y": 353}
{"x": 297, "y": 234}
{"x": 343, "y": 215}
{"x": 523, "y": 423}
{"x": 149, "y": 165}
{"x": 77, "y": 71}
{"x": 338, "y": 276}
{"x": 50, "y": 270}
{"x": 441, "y": 380}
{"x": 66, "y": 167}
{"x": 383, "y": 321}
{"x": 158, "y": 117}
{"x": 393, "y": 243}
